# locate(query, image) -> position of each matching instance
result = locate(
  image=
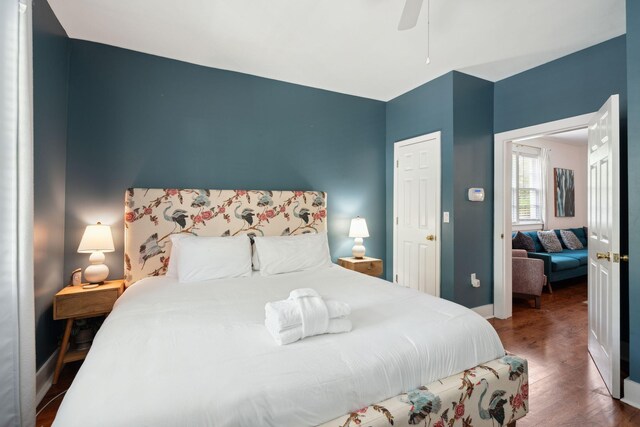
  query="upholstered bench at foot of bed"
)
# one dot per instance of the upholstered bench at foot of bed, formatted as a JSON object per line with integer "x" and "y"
{"x": 492, "y": 394}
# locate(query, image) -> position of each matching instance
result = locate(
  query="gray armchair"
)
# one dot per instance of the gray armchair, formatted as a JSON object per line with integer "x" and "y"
{"x": 528, "y": 276}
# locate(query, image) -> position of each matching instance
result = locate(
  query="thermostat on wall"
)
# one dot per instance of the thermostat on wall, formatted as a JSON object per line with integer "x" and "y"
{"x": 476, "y": 194}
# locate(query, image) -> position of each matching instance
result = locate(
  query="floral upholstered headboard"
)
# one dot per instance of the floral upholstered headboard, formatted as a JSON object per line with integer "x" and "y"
{"x": 153, "y": 214}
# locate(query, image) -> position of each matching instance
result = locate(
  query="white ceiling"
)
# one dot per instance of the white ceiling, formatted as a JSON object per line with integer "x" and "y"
{"x": 348, "y": 46}
{"x": 573, "y": 137}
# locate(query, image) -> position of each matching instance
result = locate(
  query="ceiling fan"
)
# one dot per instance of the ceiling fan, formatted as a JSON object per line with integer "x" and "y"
{"x": 409, "y": 19}
{"x": 410, "y": 14}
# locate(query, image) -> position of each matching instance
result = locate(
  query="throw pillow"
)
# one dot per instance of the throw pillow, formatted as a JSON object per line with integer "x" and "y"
{"x": 550, "y": 241}
{"x": 570, "y": 240}
{"x": 522, "y": 241}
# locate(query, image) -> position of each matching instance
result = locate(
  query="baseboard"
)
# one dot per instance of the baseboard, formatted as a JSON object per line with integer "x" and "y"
{"x": 485, "y": 311}
{"x": 44, "y": 377}
{"x": 631, "y": 393}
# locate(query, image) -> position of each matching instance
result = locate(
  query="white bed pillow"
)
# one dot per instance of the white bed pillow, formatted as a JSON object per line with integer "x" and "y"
{"x": 207, "y": 258}
{"x": 172, "y": 268}
{"x": 284, "y": 254}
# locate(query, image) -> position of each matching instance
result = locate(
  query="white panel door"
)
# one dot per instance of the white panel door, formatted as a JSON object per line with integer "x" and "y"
{"x": 417, "y": 218}
{"x": 604, "y": 243}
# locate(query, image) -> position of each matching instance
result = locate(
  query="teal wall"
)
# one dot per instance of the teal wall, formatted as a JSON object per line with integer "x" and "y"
{"x": 579, "y": 84}
{"x": 426, "y": 109}
{"x": 633, "y": 84}
{"x": 461, "y": 107}
{"x": 570, "y": 86}
{"x": 50, "y": 72}
{"x": 145, "y": 121}
{"x": 469, "y": 111}
{"x": 473, "y": 167}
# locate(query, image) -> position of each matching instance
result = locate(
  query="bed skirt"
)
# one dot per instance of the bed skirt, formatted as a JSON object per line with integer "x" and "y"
{"x": 492, "y": 394}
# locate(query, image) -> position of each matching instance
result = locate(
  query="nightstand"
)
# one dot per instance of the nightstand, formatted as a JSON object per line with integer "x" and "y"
{"x": 366, "y": 265}
{"x": 73, "y": 303}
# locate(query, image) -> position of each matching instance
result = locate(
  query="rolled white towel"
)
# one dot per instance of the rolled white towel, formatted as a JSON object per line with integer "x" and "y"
{"x": 290, "y": 335}
{"x": 304, "y": 314}
{"x": 286, "y": 313}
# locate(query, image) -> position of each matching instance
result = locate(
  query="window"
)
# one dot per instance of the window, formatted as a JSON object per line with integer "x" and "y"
{"x": 526, "y": 186}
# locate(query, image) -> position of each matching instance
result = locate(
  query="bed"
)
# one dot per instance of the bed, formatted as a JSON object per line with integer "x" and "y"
{"x": 198, "y": 354}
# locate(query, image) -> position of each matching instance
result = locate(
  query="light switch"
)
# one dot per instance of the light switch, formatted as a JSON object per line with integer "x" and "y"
{"x": 445, "y": 217}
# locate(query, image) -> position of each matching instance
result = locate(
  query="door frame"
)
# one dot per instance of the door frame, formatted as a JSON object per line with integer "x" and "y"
{"x": 396, "y": 146}
{"x": 502, "y": 280}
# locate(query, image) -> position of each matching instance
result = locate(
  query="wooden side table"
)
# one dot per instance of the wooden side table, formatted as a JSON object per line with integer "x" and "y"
{"x": 365, "y": 265}
{"x": 73, "y": 303}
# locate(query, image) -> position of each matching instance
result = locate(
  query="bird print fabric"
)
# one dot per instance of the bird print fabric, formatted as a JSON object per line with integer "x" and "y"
{"x": 154, "y": 214}
{"x": 493, "y": 394}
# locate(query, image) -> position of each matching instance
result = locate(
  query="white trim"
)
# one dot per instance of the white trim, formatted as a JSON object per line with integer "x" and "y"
{"x": 485, "y": 311}
{"x": 396, "y": 146}
{"x": 631, "y": 393}
{"x": 44, "y": 377}
{"x": 527, "y": 227}
{"x": 502, "y": 286}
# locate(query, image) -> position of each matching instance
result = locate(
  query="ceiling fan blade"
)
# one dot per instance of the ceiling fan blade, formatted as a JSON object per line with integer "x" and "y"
{"x": 410, "y": 14}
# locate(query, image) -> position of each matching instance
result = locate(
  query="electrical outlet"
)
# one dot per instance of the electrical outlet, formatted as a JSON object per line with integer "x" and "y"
{"x": 475, "y": 282}
{"x": 445, "y": 217}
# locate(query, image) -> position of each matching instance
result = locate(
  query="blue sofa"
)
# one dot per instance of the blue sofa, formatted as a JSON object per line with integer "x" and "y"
{"x": 562, "y": 265}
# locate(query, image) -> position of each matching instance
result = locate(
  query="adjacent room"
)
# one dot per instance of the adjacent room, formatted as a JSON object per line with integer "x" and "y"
{"x": 418, "y": 212}
{"x": 549, "y": 193}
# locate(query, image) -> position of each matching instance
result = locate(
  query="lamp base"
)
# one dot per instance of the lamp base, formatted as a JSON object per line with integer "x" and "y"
{"x": 358, "y": 249}
{"x": 97, "y": 272}
{"x": 91, "y": 285}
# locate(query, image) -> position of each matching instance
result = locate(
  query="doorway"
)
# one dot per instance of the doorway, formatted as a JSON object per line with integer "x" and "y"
{"x": 601, "y": 236}
{"x": 503, "y": 227}
{"x": 416, "y": 213}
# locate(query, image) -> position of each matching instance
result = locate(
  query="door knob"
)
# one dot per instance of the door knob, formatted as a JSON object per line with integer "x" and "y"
{"x": 603, "y": 255}
{"x": 620, "y": 258}
{"x": 431, "y": 237}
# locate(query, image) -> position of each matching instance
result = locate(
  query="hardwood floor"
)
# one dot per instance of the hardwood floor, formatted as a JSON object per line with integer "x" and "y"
{"x": 566, "y": 389}
{"x": 45, "y": 418}
{"x": 565, "y": 386}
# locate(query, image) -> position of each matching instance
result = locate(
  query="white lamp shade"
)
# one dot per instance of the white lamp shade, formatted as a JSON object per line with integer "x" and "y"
{"x": 96, "y": 238}
{"x": 358, "y": 228}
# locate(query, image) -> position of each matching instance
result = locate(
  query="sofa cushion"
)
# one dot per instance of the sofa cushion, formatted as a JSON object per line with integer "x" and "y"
{"x": 581, "y": 255}
{"x": 559, "y": 235}
{"x": 570, "y": 240}
{"x": 536, "y": 241}
{"x": 550, "y": 241}
{"x": 581, "y": 234}
{"x": 522, "y": 241}
{"x": 562, "y": 262}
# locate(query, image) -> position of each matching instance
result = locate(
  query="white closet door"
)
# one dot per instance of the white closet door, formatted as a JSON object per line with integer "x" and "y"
{"x": 417, "y": 208}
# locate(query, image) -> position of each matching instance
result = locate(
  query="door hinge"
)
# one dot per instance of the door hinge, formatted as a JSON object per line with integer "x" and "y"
{"x": 396, "y": 278}
{"x": 396, "y": 220}
{"x": 397, "y": 163}
{"x": 502, "y": 236}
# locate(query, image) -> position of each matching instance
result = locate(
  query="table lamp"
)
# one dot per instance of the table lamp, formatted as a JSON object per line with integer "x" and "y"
{"x": 96, "y": 240}
{"x": 358, "y": 230}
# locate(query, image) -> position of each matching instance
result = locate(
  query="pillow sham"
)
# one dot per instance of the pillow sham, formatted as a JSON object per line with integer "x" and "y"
{"x": 550, "y": 241}
{"x": 172, "y": 268}
{"x": 570, "y": 240}
{"x": 285, "y": 254}
{"x": 208, "y": 258}
{"x": 522, "y": 241}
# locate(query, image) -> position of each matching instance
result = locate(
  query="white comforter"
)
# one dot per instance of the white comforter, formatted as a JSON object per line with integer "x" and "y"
{"x": 198, "y": 354}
